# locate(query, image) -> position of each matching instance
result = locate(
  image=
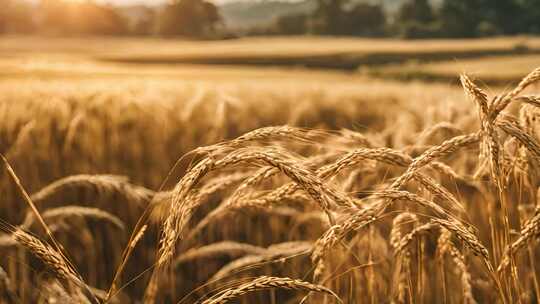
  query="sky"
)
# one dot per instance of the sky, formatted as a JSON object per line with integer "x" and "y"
{"x": 132, "y": 2}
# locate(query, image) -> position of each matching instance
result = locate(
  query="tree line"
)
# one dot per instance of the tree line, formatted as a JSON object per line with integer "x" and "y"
{"x": 195, "y": 18}
{"x": 202, "y": 19}
{"x": 416, "y": 19}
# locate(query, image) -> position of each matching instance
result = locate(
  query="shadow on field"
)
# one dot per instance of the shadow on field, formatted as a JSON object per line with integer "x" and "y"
{"x": 341, "y": 61}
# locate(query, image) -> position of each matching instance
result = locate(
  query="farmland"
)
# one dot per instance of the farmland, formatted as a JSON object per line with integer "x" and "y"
{"x": 269, "y": 170}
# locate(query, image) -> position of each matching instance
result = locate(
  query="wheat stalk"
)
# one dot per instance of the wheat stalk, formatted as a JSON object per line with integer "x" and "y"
{"x": 502, "y": 102}
{"x": 531, "y": 229}
{"x": 92, "y": 186}
{"x": 445, "y": 246}
{"x": 444, "y": 149}
{"x": 176, "y": 221}
{"x": 228, "y": 248}
{"x": 272, "y": 253}
{"x": 263, "y": 283}
{"x": 71, "y": 211}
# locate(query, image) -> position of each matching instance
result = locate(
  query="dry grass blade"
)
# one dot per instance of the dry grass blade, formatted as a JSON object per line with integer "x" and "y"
{"x": 476, "y": 94}
{"x": 427, "y": 134}
{"x": 337, "y": 232}
{"x": 92, "y": 187}
{"x": 444, "y": 149}
{"x": 239, "y": 200}
{"x": 356, "y": 137}
{"x": 409, "y": 237}
{"x": 273, "y": 253}
{"x": 287, "y": 133}
{"x": 525, "y": 139}
{"x": 393, "y": 195}
{"x": 530, "y": 230}
{"x": 264, "y": 283}
{"x": 255, "y": 179}
{"x": 71, "y": 211}
{"x": 507, "y": 98}
{"x": 468, "y": 238}
{"x": 402, "y": 222}
{"x": 180, "y": 208}
{"x": 530, "y": 100}
{"x": 445, "y": 246}
{"x": 196, "y": 198}
{"x": 384, "y": 155}
{"x": 436, "y": 189}
{"x": 29, "y": 201}
{"x": 487, "y": 117}
{"x": 178, "y": 214}
{"x": 53, "y": 259}
{"x": 397, "y": 226}
{"x": 125, "y": 256}
{"x": 59, "y": 261}
{"x": 228, "y": 248}
{"x": 7, "y": 292}
{"x": 473, "y": 243}
{"x": 392, "y": 157}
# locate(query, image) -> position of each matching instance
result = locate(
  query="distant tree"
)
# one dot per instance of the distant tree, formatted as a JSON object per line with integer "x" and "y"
{"x": 460, "y": 18}
{"x": 291, "y": 24}
{"x": 347, "y": 17}
{"x": 195, "y": 18}
{"x": 415, "y": 19}
{"x": 419, "y": 11}
{"x": 504, "y": 14}
{"x": 364, "y": 19}
{"x": 530, "y": 16}
{"x": 328, "y": 17}
{"x": 469, "y": 18}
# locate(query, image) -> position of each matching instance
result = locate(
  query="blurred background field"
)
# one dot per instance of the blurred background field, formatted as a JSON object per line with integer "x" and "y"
{"x": 498, "y": 61}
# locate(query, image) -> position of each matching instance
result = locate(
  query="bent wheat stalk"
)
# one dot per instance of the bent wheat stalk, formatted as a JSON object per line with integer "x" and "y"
{"x": 263, "y": 283}
{"x": 180, "y": 211}
{"x": 53, "y": 259}
{"x": 530, "y": 230}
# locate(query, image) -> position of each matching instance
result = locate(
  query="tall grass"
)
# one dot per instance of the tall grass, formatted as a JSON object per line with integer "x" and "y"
{"x": 433, "y": 202}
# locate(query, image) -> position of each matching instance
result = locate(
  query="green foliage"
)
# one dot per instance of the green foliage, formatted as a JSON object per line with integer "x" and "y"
{"x": 472, "y": 18}
{"x": 460, "y": 18}
{"x": 194, "y": 18}
{"x": 416, "y": 19}
{"x": 348, "y": 18}
{"x": 504, "y": 14}
{"x": 530, "y": 22}
{"x": 292, "y": 24}
{"x": 418, "y": 11}
{"x": 417, "y": 30}
{"x": 203, "y": 19}
{"x": 327, "y": 17}
{"x": 365, "y": 20}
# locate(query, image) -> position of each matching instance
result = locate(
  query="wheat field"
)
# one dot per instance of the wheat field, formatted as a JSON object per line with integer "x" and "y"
{"x": 492, "y": 70}
{"x": 133, "y": 184}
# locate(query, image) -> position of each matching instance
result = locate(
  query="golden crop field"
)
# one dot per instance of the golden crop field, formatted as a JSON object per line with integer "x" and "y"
{"x": 492, "y": 70}
{"x": 269, "y": 170}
